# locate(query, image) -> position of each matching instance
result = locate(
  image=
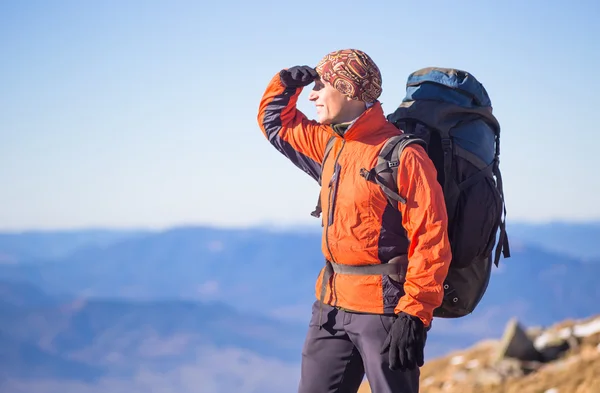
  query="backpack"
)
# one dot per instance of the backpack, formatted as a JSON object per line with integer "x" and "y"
{"x": 448, "y": 111}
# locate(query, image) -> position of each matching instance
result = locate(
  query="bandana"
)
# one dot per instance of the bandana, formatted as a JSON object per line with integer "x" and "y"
{"x": 353, "y": 73}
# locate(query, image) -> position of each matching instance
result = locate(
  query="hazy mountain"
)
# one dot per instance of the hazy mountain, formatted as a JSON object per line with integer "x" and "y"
{"x": 23, "y": 294}
{"x": 241, "y": 267}
{"x": 16, "y": 247}
{"x": 575, "y": 239}
{"x": 22, "y": 360}
{"x": 87, "y": 343}
{"x": 129, "y": 317}
{"x": 273, "y": 272}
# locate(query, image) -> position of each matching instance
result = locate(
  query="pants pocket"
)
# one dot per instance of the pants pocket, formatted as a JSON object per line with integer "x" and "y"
{"x": 319, "y": 310}
{"x": 387, "y": 321}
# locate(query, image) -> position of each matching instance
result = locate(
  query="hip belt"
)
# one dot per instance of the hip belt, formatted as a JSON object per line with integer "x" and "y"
{"x": 395, "y": 268}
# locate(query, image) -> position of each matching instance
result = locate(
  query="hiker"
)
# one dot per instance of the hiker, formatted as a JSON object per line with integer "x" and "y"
{"x": 384, "y": 266}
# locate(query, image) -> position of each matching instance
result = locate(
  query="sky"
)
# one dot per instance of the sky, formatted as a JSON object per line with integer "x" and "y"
{"x": 143, "y": 114}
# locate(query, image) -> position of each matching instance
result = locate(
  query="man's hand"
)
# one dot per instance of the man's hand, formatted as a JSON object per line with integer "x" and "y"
{"x": 298, "y": 76}
{"x": 406, "y": 343}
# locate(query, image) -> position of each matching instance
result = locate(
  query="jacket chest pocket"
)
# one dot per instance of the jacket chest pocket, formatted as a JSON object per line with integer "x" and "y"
{"x": 351, "y": 196}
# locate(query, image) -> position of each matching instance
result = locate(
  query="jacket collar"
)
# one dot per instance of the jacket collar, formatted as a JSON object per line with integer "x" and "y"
{"x": 370, "y": 121}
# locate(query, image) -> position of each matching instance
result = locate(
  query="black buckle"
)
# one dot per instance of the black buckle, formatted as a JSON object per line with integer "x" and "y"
{"x": 369, "y": 175}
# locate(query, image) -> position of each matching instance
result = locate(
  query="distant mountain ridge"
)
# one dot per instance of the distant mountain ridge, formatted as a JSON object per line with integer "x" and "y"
{"x": 245, "y": 267}
{"x": 579, "y": 240}
{"x": 191, "y": 263}
{"x": 86, "y": 339}
{"x": 570, "y": 238}
{"x": 162, "y": 302}
{"x": 18, "y": 247}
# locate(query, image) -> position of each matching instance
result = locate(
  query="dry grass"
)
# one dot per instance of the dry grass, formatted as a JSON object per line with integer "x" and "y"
{"x": 473, "y": 371}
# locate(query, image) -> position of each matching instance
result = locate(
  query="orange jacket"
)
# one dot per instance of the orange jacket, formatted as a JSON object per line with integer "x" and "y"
{"x": 360, "y": 226}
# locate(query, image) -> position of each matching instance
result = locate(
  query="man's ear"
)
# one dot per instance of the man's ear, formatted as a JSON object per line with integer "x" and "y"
{"x": 348, "y": 99}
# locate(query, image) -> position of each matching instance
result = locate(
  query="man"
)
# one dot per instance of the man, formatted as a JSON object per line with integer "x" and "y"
{"x": 371, "y": 320}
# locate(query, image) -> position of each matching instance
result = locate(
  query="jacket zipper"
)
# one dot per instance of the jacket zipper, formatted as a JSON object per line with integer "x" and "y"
{"x": 331, "y": 199}
{"x": 333, "y": 185}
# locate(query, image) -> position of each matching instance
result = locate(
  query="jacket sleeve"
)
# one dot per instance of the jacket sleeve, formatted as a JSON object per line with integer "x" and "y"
{"x": 425, "y": 220}
{"x": 301, "y": 140}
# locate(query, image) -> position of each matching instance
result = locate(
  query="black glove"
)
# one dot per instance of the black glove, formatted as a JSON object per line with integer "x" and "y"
{"x": 406, "y": 343}
{"x": 298, "y": 76}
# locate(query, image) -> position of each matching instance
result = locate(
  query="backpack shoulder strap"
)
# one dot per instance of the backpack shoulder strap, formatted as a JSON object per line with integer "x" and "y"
{"x": 385, "y": 173}
{"x": 317, "y": 212}
{"x": 328, "y": 148}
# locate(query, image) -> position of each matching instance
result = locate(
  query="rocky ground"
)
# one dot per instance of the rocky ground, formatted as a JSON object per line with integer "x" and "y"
{"x": 561, "y": 359}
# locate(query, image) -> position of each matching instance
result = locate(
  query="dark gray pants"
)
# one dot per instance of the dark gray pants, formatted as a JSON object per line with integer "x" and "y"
{"x": 337, "y": 355}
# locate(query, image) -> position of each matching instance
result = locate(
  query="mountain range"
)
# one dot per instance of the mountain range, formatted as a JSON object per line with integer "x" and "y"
{"x": 119, "y": 310}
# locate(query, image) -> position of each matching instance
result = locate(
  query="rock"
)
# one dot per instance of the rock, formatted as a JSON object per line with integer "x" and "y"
{"x": 552, "y": 345}
{"x": 555, "y": 350}
{"x": 509, "y": 368}
{"x": 487, "y": 377}
{"x": 534, "y": 331}
{"x": 517, "y": 344}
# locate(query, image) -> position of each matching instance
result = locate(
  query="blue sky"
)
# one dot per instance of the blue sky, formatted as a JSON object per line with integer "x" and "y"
{"x": 143, "y": 114}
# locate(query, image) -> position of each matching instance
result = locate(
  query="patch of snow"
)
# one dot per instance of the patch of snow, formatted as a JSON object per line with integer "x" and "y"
{"x": 428, "y": 381}
{"x": 580, "y": 330}
{"x": 472, "y": 364}
{"x": 543, "y": 340}
{"x": 456, "y": 360}
{"x": 587, "y": 329}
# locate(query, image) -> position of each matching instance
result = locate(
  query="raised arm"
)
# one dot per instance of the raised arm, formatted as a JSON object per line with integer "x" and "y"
{"x": 289, "y": 130}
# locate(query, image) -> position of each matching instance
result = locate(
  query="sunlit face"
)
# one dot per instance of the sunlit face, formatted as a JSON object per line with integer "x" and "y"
{"x": 331, "y": 105}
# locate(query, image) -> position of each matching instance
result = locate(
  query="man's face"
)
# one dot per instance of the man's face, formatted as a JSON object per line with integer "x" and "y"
{"x": 329, "y": 102}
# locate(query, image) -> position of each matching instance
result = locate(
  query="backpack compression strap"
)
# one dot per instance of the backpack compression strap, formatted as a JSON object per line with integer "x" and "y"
{"x": 491, "y": 170}
{"x": 503, "y": 246}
